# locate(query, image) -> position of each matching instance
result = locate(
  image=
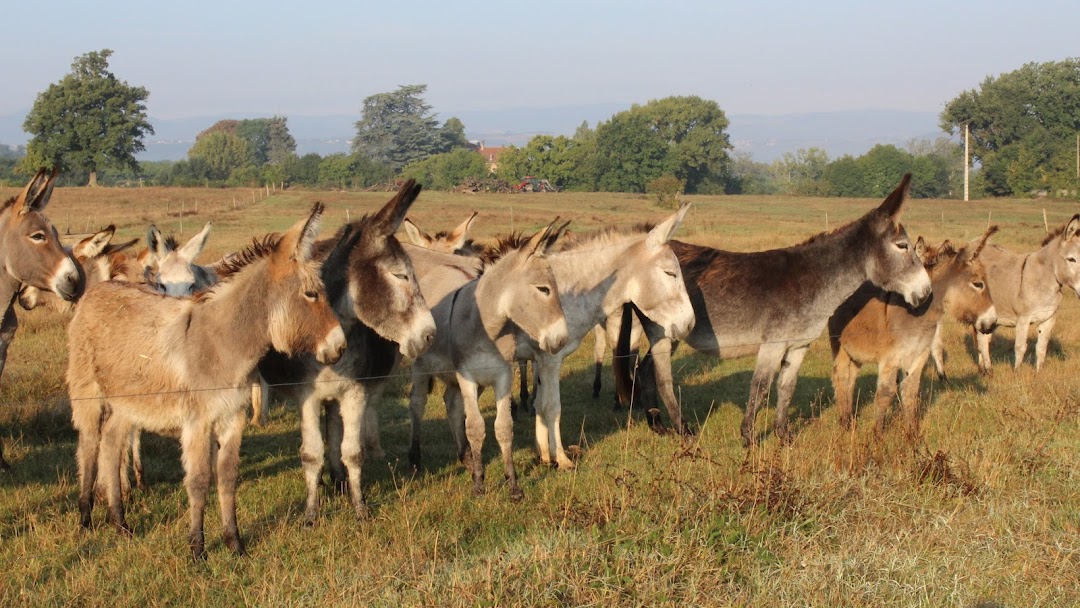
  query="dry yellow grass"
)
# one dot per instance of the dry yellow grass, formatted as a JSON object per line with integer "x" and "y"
{"x": 985, "y": 510}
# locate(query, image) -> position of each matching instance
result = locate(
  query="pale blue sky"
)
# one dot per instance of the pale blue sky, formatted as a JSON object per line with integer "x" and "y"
{"x": 308, "y": 58}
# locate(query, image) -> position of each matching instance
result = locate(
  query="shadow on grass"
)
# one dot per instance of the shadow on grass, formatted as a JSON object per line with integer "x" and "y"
{"x": 1003, "y": 348}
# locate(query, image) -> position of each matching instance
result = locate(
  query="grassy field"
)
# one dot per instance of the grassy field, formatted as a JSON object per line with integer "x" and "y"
{"x": 983, "y": 511}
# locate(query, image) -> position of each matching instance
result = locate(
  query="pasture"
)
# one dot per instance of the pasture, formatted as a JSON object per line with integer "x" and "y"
{"x": 984, "y": 510}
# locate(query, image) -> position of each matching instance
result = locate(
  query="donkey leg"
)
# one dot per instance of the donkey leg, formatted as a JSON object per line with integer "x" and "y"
{"x": 373, "y": 393}
{"x": 417, "y": 404}
{"x": 789, "y": 374}
{"x": 311, "y": 454}
{"x": 195, "y": 438}
{"x": 260, "y": 403}
{"x": 136, "y": 458}
{"x": 8, "y": 327}
{"x": 455, "y": 416}
{"x": 1043, "y": 341}
{"x": 937, "y": 350}
{"x": 353, "y": 404}
{"x": 504, "y": 433}
{"x": 768, "y": 362}
{"x": 1022, "y": 327}
{"x": 474, "y": 431}
{"x": 982, "y": 343}
{"x": 86, "y": 417}
{"x": 229, "y": 433}
{"x": 599, "y": 350}
{"x": 886, "y": 391}
{"x": 548, "y": 368}
{"x": 114, "y": 442}
{"x": 844, "y": 372}
{"x": 334, "y": 434}
{"x": 909, "y": 394}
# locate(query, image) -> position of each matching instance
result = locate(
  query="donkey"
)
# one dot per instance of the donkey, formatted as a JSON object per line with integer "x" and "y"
{"x": 875, "y": 325}
{"x": 775, "y": 303}
{"x": 172, "y": 269}
{"x": 140, "y": 359}
{"x": 372, "y": 286}
{"x": 478, "y": 327}
{"x": 31, "y": 256}
{"x": 99, "y": 259}
{"x": 1027, "y": 291}
{"x": 597, "y": 275}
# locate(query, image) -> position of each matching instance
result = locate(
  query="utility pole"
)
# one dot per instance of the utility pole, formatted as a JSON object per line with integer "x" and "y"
{"x": 967, "y": 158}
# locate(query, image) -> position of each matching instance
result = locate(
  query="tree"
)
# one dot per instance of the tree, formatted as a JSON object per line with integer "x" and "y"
{"x": 222, "y": 152}
{"x": 1021, "y": 123}
{"x": 695, "y": 128}
{"x": 268, "y": 139}
{"x": 88, "y": 121}
{"x": 802, "y": 173}
{"x": 398, "y": 128}
{"x": 447, "y": 170}
{"x": 630, "y": 153}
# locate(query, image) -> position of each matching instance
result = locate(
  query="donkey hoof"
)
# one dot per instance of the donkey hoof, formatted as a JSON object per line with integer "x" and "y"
{"x": 516, "y": 495}
{"x": 198, "y": 546}
{"x": 363, "y": 513}
{"x": 478, "y": 490}
{"x": 235, "y": 544}
{"x": 311, "y": 518}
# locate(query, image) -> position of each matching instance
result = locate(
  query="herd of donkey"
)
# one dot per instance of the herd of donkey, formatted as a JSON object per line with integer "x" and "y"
{"x": 161, "y": 344}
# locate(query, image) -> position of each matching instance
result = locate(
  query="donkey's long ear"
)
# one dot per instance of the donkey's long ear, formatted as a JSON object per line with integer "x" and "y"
{"x": 416, "y": 235}
{"x": 111, "y": 249}
{"x": 194, "y": 247}
{"x": 982, "y": 242}
{"x": 893, "y": 205}
{"x": 456, "y": 239}
{"x": 305, "y": 232}
{"x": 155, "y": 242}
{"x": 920, "y": 248}
{"x": 94, "y": 245}
{"x": 38, "y": 192}
{"x": 336, "y": 282}
{"x": 537, "y": 244}
{"x": 389, "y": 218}
{"x": 1071, "y": 228}
{"x": 661, "y": 234}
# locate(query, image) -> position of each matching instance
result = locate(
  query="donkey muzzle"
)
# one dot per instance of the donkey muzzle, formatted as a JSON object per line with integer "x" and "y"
{"x": 986, "y": 322}
{"x": 67, "y": 281}
{"x": 332, "y": 347}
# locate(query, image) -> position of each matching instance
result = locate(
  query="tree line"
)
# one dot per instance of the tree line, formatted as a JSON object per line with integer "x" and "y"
{"x": 1023, "y": 126}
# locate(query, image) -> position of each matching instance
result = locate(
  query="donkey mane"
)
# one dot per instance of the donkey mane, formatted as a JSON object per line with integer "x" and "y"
{"x": 842, "y": 230}
{"x": 1053, "y": 234}
{"x": 258, "y": 249}
{"x": 8, "y": 203}
{"x": 171, "y": 244}
{"x": 502, "y": 246}
{"x": 604, "y": 236}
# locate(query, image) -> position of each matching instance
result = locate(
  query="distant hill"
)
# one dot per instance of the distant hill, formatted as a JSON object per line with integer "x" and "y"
{"x": 765, "y": 137}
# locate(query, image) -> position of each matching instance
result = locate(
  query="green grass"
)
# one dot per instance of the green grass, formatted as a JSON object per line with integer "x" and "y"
{"x": 985, "y": 510}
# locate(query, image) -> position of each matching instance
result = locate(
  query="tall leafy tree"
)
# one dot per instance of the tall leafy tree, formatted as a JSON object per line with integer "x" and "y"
{"x": 630, "y": 153}
{"x": 1021, "y": 123}
{"x": 88, "y": 121}
{"x": 696, "y": 130}
{"x": 222, "y": 152}
{"x": 398, "y": 128}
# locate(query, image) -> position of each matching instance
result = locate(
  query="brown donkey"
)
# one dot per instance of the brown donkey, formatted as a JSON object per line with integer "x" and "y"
{"x": 31, "y": 256}
{"x": 876, "y": 325}
{"x": 140, "y": 359}
{"x": 99, "y": 259}
{"x": 773, "y": 304}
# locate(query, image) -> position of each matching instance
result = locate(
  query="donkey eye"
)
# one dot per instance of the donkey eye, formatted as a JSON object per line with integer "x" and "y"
{"x": 978, "y": 285}
{"x": 402, "y": 276}
{"x": 903, "y": 246}
{"x": 1071, "y": 260}
{"x": 311, "y": 295}
{"x": 38, "y": 236}
{"x": 544, "y": 290}
{"x": 670, "y": 273}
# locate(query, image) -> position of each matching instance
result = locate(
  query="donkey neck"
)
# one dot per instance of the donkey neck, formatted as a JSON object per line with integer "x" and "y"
{"x": 231, "y": 325}
{"x": 591, "y": 284}
{"x": 831, "y": 268}
{"x": 1042, "y": 261}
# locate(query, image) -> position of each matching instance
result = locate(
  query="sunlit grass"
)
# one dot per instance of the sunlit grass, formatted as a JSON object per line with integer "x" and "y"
{"x": 986, "y": 508}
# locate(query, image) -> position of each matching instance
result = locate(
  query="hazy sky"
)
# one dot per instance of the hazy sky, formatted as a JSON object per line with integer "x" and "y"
{"x": 201, "y": 58}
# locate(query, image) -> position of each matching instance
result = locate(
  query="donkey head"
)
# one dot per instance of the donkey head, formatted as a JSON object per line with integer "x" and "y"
{"x": 29, "y": 246}
{"x": 177, "y": 274}
{"x": 893, "y": 262}
{"x": 1066, "y": 263}
{"x": 382, "y": 289}
{"x": 301, "y": 318}
{"x": 656, "y": 281}
{"x": 98, "y": 259}
{"x": 960, "y": 279}
{"x": 528, "y": 295}
{"x": 455, "y": 241}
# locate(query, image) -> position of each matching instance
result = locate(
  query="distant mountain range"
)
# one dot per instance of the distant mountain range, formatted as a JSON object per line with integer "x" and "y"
{"x": 765, "y": 137}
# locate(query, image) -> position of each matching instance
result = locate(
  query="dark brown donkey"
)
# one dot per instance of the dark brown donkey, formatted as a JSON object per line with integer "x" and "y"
{"x": 874, "y": 325}
{"x": 31, "y": 256}
{"x": 774, "y": 303}
{"x": 372, "y": 286}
